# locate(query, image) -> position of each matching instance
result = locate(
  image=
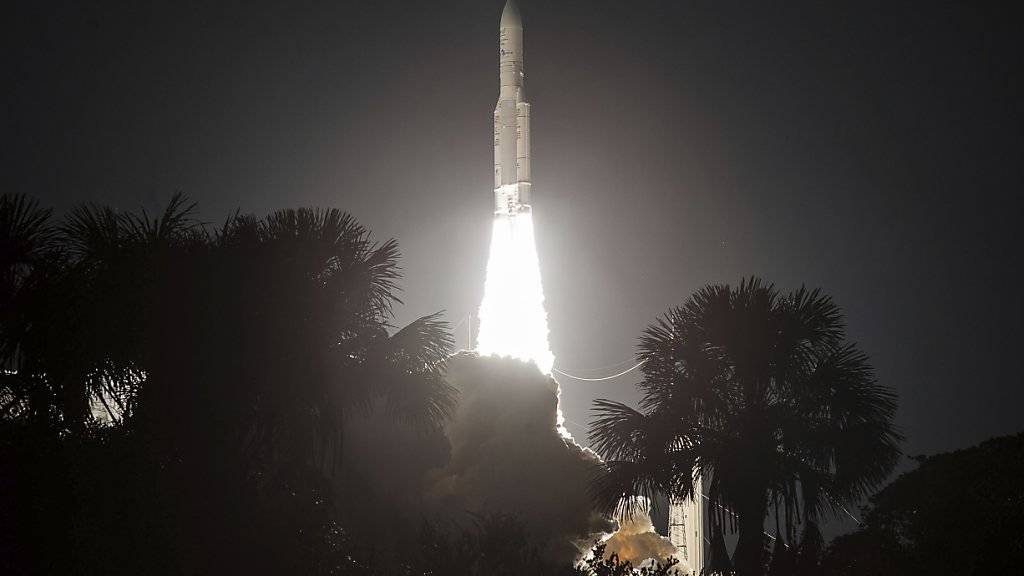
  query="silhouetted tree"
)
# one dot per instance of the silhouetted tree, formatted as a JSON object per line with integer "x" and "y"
{"x": 808, "y": 554}
{"x": 489, "y": 545}
{"x": 782, "y": 563}
{"x": 26, "y": 246}
{"x": 760, "y": 395}
{"x": 960, "y": 512}
{"x": 867, "y": 553}
{"x": 718, "y": 561}
{"x": 210, "y": 371}
{"x": 596, "y": 564}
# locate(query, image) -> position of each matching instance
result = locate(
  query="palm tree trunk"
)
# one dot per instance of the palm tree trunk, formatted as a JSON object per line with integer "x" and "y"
{"x": 748, "y": 558}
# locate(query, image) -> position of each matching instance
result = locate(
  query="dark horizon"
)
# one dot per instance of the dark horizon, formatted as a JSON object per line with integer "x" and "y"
{"x": 870, "y": 150}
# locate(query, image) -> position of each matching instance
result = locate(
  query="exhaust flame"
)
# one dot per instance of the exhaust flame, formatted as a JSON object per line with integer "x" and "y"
{"x": 512, "y": 317}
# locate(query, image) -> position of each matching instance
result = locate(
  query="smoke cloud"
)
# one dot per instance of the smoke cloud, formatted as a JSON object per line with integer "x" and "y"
{"x": 500, "y": 454}
{"x": 637, "y": 541}
{"x": 507, "y": 457}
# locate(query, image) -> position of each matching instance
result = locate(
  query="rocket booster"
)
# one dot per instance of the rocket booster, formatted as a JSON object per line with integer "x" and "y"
{"x": 511, "y": 120}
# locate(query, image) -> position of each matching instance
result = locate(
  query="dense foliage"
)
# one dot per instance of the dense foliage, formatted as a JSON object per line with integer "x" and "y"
{"x": 173, "y": 399}
{"x": 760, "y": 396}
{"x": 960, "y": 512}
{"x": 173, "y": 395}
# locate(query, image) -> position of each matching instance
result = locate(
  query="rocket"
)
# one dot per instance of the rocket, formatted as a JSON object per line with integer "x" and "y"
{"x": 511, "y": 120}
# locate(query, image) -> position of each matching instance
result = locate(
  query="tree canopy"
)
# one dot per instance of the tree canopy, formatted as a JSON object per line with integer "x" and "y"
{"x": 168, "y": 380}
{"x": 959, "y": 512}
{"x": 759, "y": 394}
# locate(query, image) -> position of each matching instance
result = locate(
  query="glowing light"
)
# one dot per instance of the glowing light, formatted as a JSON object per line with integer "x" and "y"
{"x": 512, "y": 317}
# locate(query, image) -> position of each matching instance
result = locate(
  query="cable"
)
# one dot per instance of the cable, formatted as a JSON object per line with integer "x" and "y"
{"x": 843, "y": 508}
{"x": 461, "y": 322}
{"x": 735, "y": 515}
{"x": 612, "y": 377}
{"x": 574, "y": 423}
{"x": 616, "y": 366}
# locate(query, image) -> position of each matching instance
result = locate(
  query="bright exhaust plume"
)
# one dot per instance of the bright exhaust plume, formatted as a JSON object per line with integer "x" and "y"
{"x": 513, "y": 321}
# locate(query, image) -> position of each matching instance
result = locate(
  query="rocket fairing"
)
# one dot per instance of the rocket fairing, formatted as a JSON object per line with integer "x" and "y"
{"x": 511, "y": 120}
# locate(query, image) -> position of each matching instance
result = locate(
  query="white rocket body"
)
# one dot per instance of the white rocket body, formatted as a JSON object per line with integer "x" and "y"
{"x": 513, "y": 322}
{"x": 511, "y": 120}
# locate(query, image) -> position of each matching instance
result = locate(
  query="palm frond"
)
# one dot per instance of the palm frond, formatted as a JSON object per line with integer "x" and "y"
{"x": 176, "y": 222}
{"x": 414, "y": 387}
{"x": 813, "y": 317}
{"x": 25, "y": 231}
{"x": 92, "y": 233}
{"x": 331, "y": 247}
{"x": 238, "y": 230}
{"x": 621, "y": 485}
{"x": 616, "y": 430}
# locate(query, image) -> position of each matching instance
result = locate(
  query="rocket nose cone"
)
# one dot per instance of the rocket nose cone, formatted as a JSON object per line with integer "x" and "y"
{"x": 510, "y": 16}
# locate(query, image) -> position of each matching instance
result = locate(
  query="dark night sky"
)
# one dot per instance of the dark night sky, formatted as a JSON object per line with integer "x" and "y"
{"x": 871, "y": 149}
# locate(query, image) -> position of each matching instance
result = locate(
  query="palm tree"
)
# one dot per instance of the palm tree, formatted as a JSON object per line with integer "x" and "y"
{"x": 81, "y": 302}
{"x": 266, "y": 341}
{"x": 227, "y": 360}
{"x": 324, "y": 291}
{"x": 26, "y": 238}
{"x": 26, "y": 246}
{"x": 120, "y": 299}
{"x": 760, "y": 395}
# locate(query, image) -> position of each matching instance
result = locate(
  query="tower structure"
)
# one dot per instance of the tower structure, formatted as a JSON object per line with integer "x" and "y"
{"x": 687, "y": 521}
{"x": 511, "y": 120}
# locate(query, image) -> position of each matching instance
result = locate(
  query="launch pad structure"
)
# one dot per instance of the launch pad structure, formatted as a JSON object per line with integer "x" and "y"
{"x": 687, "y": 520}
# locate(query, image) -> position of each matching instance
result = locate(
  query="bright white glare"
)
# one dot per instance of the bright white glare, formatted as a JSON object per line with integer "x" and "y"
{"x": 512, "y": 317}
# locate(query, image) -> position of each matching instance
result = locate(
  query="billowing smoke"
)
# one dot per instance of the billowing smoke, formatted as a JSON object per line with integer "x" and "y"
{"x": 508, "y": 457}
{"x": 637, "y": 541}
{"x": 500, "y": 454}
{"x": 505, "y": 451}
